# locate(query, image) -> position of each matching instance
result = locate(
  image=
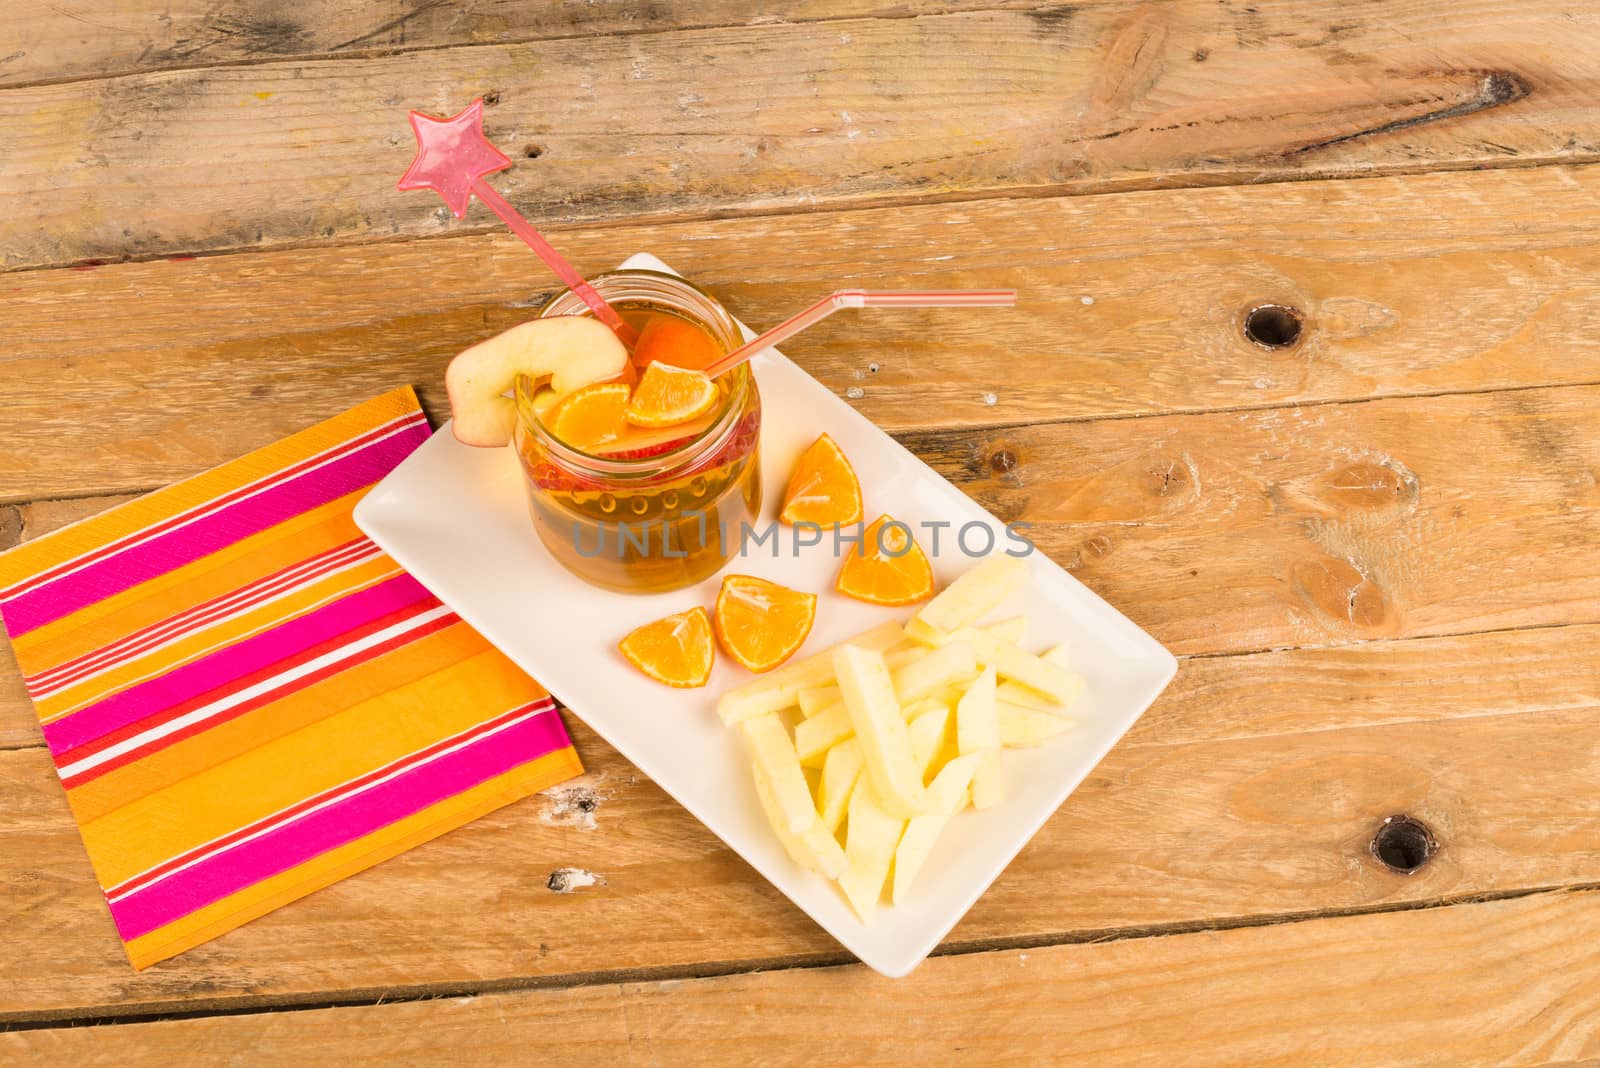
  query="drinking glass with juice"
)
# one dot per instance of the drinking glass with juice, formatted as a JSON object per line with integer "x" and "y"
{"x": 657, "y": 508}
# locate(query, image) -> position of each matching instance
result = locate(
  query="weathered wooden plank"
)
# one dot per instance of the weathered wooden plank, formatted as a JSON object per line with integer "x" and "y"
{"x": 1493, "y": 983}
{"x": 1308, "y": 526}
{"x": 1340, "y": 675}
{"x": 132, "y": 376}
{"x": 42, "y": 41}
{"x": 766, "y": 118}
{"x": 1236, "y": 531}
{"x": 18, "y": 726}
{"x": 1278, "y": 771}
{"x": 18, "y": 523}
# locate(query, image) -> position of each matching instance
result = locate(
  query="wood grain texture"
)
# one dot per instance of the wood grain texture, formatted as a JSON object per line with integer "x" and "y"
{"x": 817, "y": 115}
{"x": 19, "y": 523}
{"x": 1312, "y": 526}
{"x": 45, "y": 41}
{"x": 132, "y": 376}
{"x": 1252, "y": 789}
{"x": 18, "y": 726}
{"x": 1383, "y": 990}
{"x": 1238, "y": 531}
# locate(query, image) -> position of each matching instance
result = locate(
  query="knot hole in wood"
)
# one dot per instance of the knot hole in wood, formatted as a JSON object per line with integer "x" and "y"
{"x": 1273, "y": 326}
{"x": 1404, "y": 844}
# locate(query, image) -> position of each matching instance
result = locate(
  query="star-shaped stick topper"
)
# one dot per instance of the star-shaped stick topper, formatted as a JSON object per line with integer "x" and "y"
{"x": 452, "y": 157}
{"x": 452, "y": 154}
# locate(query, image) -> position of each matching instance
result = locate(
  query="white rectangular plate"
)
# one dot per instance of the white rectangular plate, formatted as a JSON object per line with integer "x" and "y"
{"x": 457, "y": 519}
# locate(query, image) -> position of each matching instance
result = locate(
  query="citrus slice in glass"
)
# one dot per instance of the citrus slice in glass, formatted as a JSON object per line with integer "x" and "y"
{"x": 761, "y": 624}
{"x": 676, "y": 650}
{"x": 669, "y": 395}
{"x": 590, "y": 417}
{"x": 675, "y": 341}
{"x": 888, "y": 567}
{"x": 823, "y": 488}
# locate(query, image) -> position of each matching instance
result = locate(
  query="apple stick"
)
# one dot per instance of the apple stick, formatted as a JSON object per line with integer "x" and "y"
{"x": 1022, "y": 727}
{"x": 913, "y": 682}
{"x": 1021, "y": 694}
{"x": 949, "y": 794}
{"x": 774, "y": 753}
{"x": 780, "y": 689}
{"x": 969, "y": 598}
{"x": 978, "y": 732}
{"x": 880, "y": 727}
{"x": 869, "y": 847}
{"x": 814, "y": 848}
{"x": 928, "y": 732}
{"x": 840, "y": 773}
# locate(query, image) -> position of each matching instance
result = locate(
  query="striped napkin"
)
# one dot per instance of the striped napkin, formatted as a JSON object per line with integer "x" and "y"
{"x": 247, "y": 701}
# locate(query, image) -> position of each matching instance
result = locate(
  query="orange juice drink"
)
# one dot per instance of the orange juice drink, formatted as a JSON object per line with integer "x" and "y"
{"x": 658, "y": 508}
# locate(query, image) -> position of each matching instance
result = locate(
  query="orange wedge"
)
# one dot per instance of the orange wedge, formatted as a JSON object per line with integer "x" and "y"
{"x": 670, "y": 395}
{"x": 675, "y": 341}
{"x": 589, "y": 417}
{"x": 761, "y": 624}
{"x": 823, "y": 489}
{"x": 892, "y": 570}
{"x": 675, "y": 650}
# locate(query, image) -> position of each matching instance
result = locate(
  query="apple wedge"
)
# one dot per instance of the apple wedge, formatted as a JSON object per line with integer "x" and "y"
{"x": 1022, "y": 727}
{"x": 1038, "y": 674}
{"x": 813, "y": 699}
{"x": 814, "y": 848}
{"x": 969, "y": 598}
{"x": 1007, "y": 630}
{"x": 572, "y": 350}
{"x": 840, "y": 773}
{"x": 816, "y": 699}
{"x": 1024, "y": 697}
{"x": 869, "y": 846}
{"x": 780, "y": 689}
{"x": 947, "y": 794}
{"x": 880, "y": 727}
{"x": 774, "y": 754}
{"x": 927, "y": 730}
{"x": 1019, "y": 693}
{"x": 923, "y": 677}
{"x": 978, "y": 733}
{"x": 815, "y": 737}
{"x": 932, "y": 672}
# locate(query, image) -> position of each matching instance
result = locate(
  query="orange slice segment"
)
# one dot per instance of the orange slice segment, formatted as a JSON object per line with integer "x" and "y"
{"x": 823, "y": 489}
{"x": 888, "y": 567}
{"x": 670, "y": 395}
{"x": 675, "y": 341}
{"x": 761, "y": 624}
{"x": 676, "y": 650}
{"x": 591, "y": 416}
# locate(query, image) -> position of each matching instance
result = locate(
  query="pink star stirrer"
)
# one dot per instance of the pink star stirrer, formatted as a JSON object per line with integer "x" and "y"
{"x": 452, "y": 158}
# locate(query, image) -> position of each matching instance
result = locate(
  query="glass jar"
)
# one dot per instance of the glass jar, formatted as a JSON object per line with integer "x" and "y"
{"x": 659, "y": 517}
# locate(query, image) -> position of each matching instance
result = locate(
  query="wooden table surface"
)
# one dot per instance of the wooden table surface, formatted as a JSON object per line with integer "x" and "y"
{"x": 1377, "y": 550}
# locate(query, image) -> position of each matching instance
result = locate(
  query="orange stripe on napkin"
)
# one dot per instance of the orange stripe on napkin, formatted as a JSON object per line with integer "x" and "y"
{"x": 247, "y": 700}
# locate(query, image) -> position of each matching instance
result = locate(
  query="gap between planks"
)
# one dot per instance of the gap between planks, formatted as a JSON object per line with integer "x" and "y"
{"x": 999, "y": 428}
{"x": 1393, "y": 310}
{"x": 252, "y": 1006}
{"x": 1442, "y": 801}
{"x": 1229, "y": 654}
{"x": 1176, "y": 182}
{"x": 1098, "y": 91}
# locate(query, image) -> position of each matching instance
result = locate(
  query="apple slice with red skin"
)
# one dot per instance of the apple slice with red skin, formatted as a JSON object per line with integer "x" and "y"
{"x": 572, "y": 350}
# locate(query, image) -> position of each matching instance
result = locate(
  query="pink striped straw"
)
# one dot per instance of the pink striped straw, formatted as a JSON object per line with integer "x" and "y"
{"x": 863, "y": 298}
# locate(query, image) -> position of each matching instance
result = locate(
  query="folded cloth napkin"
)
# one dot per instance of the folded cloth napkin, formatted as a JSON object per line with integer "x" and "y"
{"x": 246, "y": 701}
